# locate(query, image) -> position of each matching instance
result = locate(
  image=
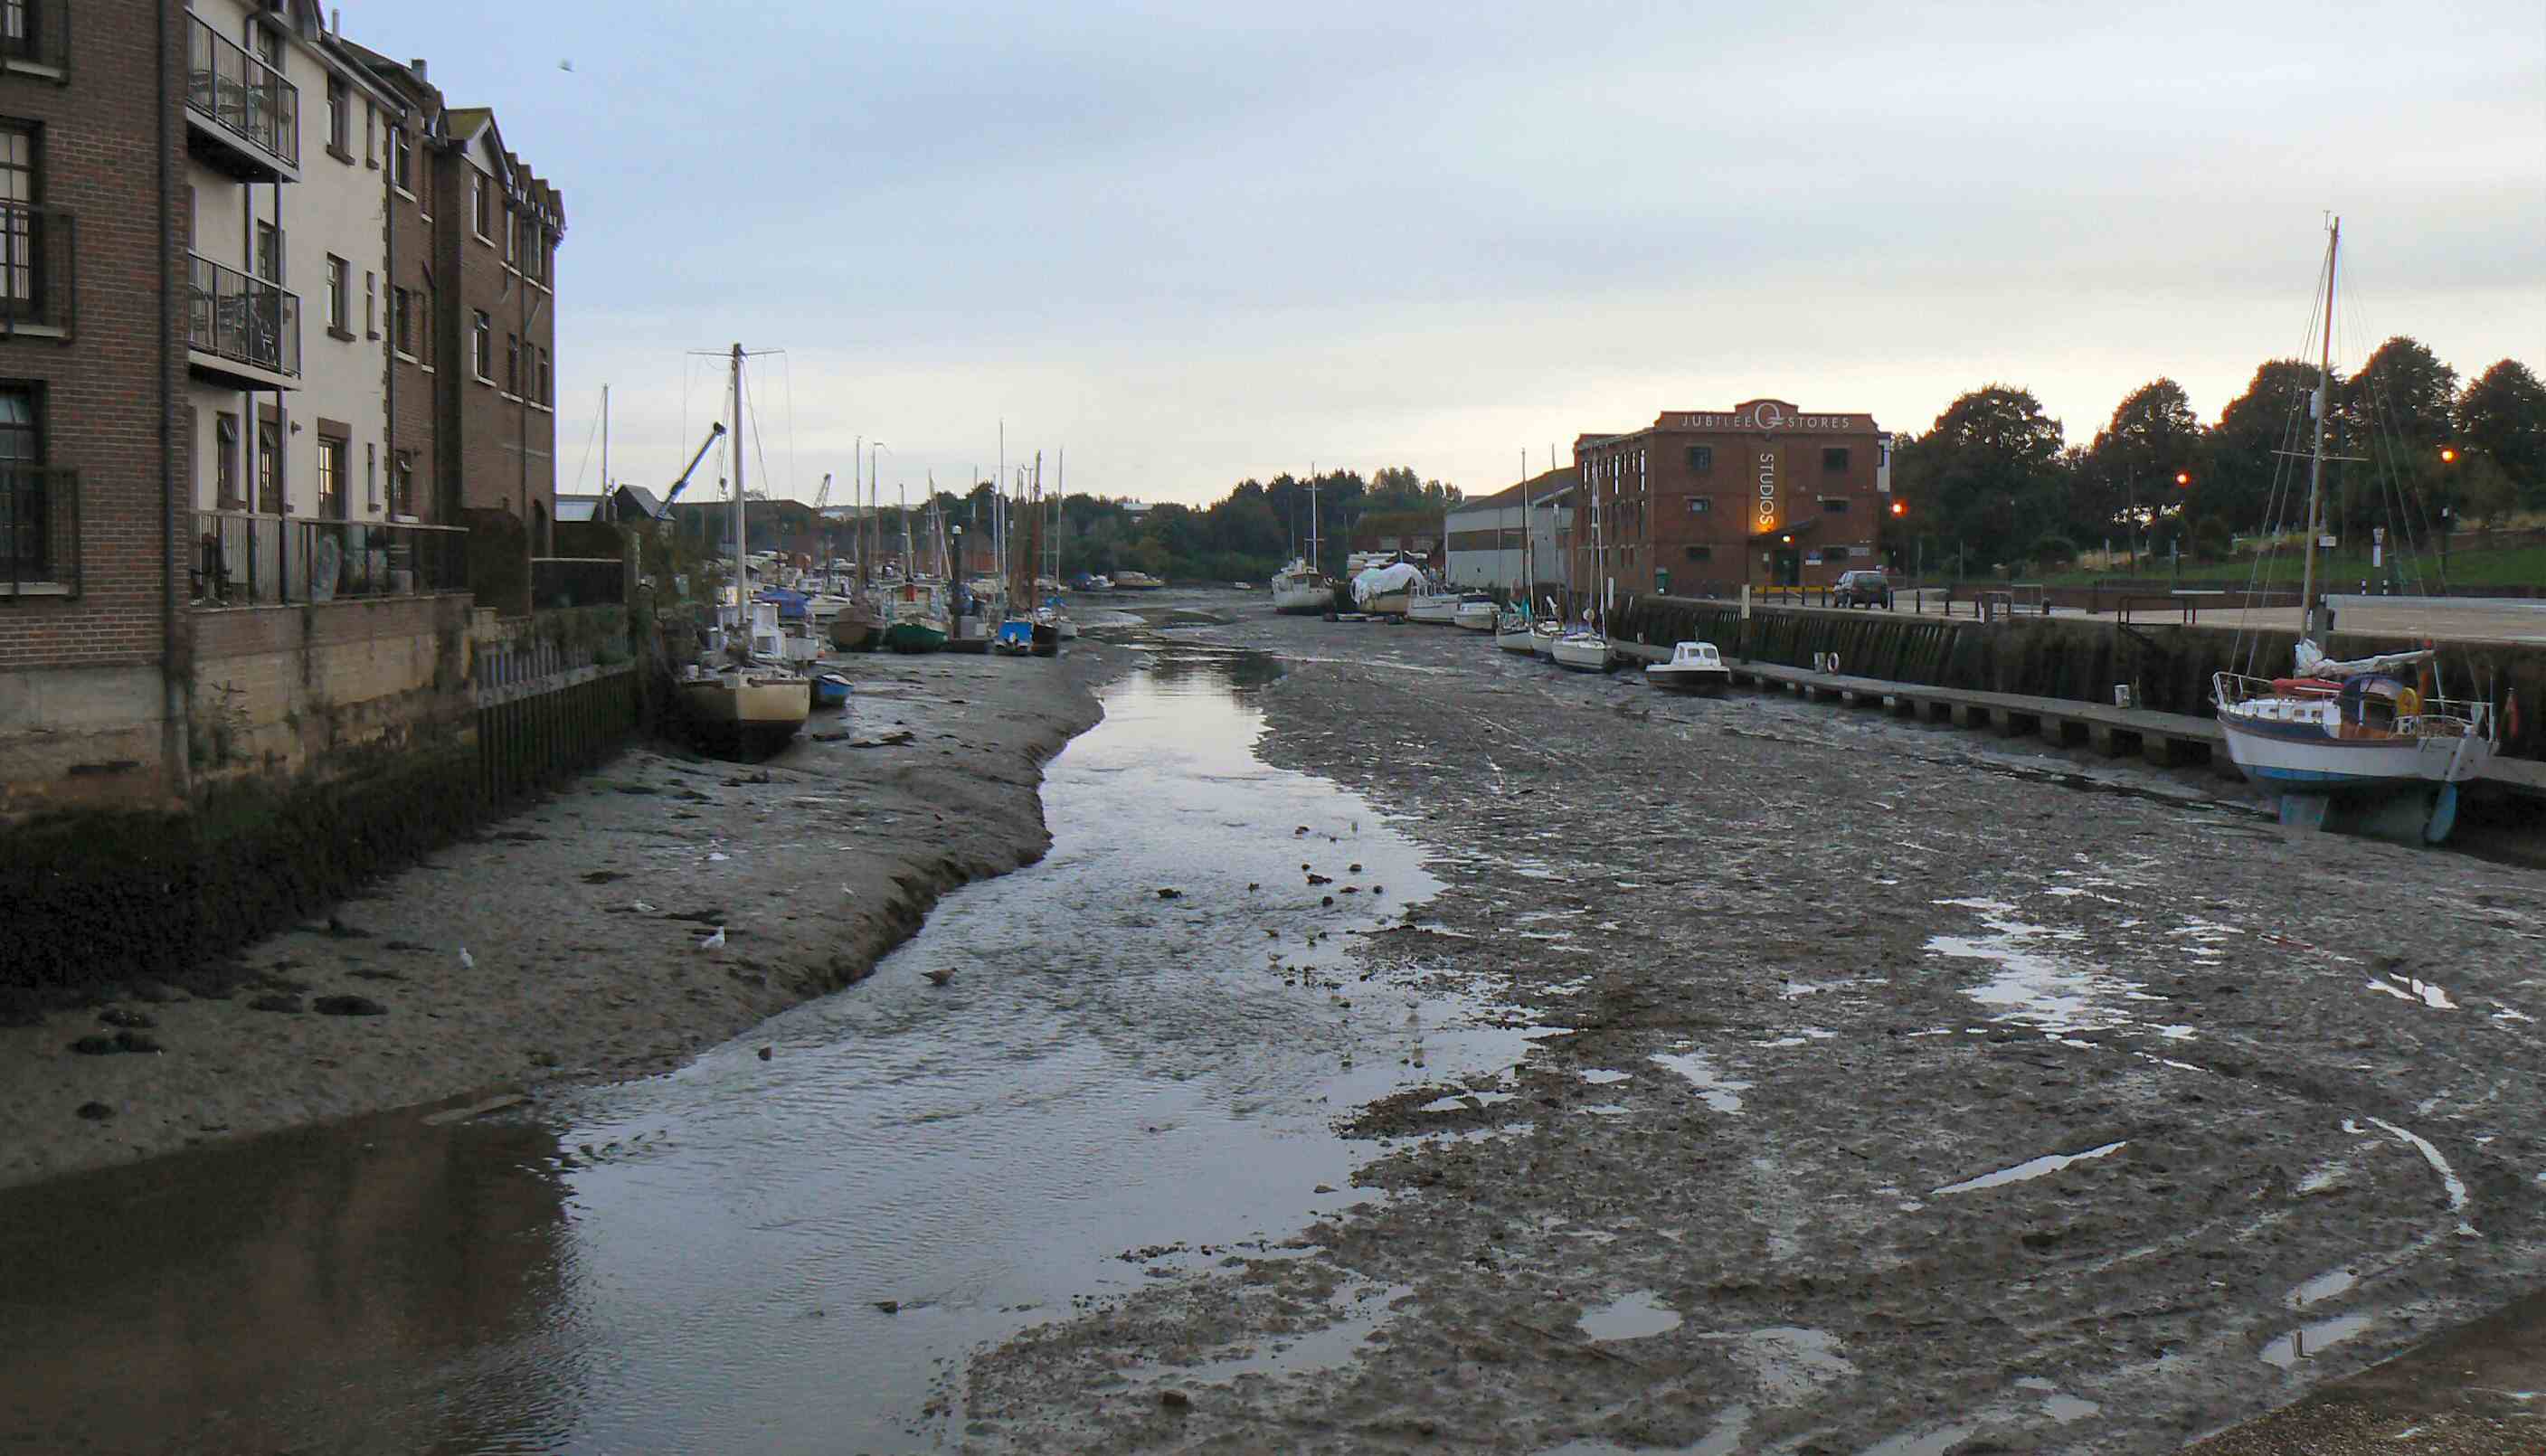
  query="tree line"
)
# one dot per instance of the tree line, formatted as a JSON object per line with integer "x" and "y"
{"x": 1994, "y": 483}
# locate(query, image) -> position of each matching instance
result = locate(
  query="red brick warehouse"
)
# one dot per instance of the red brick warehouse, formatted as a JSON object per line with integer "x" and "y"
{"x": 1762, "y": 494}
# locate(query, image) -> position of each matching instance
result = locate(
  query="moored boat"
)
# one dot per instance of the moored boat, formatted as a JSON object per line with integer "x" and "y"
{"x": 1476, "y": 612}
{"x": 744, "y": 707}
{"x": 1581, "y": 649}
{"x": 1429, "y": 601}
{"x": 1694, "y": 668}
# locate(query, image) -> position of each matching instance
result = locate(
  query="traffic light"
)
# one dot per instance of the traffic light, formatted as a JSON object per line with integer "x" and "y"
{"x": 2448, "y": 455}
{"x": 1900, "y": 507}
{"x": 2182, "y": 479}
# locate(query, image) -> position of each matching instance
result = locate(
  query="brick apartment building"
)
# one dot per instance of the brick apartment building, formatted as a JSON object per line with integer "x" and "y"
{"x": 1762, "y": 494}
{"x": 203, "y": 411}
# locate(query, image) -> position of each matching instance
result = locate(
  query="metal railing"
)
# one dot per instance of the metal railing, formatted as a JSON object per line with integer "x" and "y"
{"x": 240, "y": 93}
{"x": 37, "y": 33}
{"x": 243, "y": 319}
{"x": 38, "y": 267}
{"x": 252, "y": 561}
{"x": 39, "y": 527}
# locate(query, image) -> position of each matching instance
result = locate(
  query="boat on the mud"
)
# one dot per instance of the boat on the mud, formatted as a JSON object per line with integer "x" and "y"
{"x": 1301, "y": 590}
{"x": 914, "y": 617}
{"x": 1476, "y": 612}
{"x": 1585, "y": 649}
{"x": 1512, "y": 628}
{"x": 1694, "y": 668}
{"x": 1385, "y": 591}
{"x": 1429, "y": 602}
{"x": 2368, "y": 744}
{"x": 1137, "y": 581}
{"x": 744, "y": 705}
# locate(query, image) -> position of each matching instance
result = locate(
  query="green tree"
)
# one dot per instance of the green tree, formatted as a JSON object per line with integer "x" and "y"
{"x": 2503, "y": 414}
{"x": 1989, "y": 471}
{"x": 2126, "y": 479}
{"x": 2397, "y": 412}
{"x": 2250, "y": 462}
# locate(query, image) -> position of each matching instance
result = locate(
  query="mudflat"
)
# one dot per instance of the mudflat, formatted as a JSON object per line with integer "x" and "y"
{"x": 587, "y": 923}
{"x": 1901, "y": 1091}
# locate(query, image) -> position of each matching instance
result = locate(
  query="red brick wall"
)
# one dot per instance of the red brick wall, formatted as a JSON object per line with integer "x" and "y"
{"x": 1651, "y": 533}
{"x": 106, "y": 138}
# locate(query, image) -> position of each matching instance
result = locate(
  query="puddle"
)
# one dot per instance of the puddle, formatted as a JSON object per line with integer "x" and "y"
{"x": 2034, "y": 1168}
{"x": 2407, "y": 988}
{"x": 1360, "y": 1310}
{"x": 1110, "y": 1086}
{"x": 1601, "y": 1077}
{"x": 1790, "y": 1363}
{"x": 2031, "y": 987}
{"x": 1716, "y": 1091}
{"x": 2450, "y": 1182}
{"x": 2062, "y": 1408}
{"x": 2323, "y": 1287}
{"x": 1630, "y": 1316}
{"x": 2310, "y": 1340}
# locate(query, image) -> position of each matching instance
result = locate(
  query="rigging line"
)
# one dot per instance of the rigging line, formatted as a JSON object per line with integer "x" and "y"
{"x": 789, "y": 373}
{"x": 759, "y": 450}
{"x": 590, "y": 432}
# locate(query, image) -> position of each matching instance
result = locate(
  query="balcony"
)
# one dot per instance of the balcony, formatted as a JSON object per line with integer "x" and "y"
{"x": 242, "y": 118}
{"x": 247, "y": 560}
{"x": 39, "y": 263}
{"x": 36, "y": 37}
{"x": 241, "y": 331}
{"x": 40, "y": 530}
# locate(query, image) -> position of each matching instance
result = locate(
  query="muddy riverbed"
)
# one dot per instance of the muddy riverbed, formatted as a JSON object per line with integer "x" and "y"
{"x": 1407, "y": 1047}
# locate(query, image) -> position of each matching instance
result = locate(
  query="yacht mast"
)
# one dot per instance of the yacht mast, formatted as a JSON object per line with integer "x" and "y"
{"x": 741, "y": 585}
{"x": 2316, "y": 461}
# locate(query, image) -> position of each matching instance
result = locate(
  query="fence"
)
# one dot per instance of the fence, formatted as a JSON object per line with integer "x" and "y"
{"x": 243, "y": 319}
{"x": 249, "y": 561}
{"x": 558, "y": 693}
{"x": 241, "y": 94}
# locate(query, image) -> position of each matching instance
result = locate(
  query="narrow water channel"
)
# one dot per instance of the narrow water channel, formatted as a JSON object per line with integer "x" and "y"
{"x": 792, "y": 1253}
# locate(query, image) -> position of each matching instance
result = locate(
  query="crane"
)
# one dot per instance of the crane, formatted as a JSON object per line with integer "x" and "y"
{"x": 715, "y": 432}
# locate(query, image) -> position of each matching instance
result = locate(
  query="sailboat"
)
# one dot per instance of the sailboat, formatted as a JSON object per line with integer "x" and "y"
{"x": 1585, "y": 648}
{"x": 915, "y": 609}
{"x": 1299, "y": 589}
{"x": 2368, "y": 743}
{"x": 745, "y": 706}
{"x": 1513, "y": 627}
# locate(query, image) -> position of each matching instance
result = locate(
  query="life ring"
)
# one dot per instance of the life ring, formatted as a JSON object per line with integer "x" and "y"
{"x": 2408, "y": 704}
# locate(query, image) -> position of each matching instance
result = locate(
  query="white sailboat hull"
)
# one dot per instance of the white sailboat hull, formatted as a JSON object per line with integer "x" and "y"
{"x": 1583, "y": 652}
{"x": 1475, "y": 616}
{"x": 1438, "y": 611}
{"x": 1302, "y": 598}
{"x": 2293, "y": 751}
{"x": 1520, "y": 640}
{"x": 746, "y": 712}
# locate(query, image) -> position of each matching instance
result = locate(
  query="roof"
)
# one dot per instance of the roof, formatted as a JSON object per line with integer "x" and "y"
{"x": 1536, "y": 489}
{"x": 638, "y": 499}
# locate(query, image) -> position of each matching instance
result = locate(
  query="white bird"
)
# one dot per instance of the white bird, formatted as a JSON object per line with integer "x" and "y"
{"x": 467, "y": 962}
{"x": 714, "y": 942}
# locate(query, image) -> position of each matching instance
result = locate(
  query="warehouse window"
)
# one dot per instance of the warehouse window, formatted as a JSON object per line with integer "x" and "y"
{"x": 1835, "y": 459}
{"x": 1701, "y": 553}
{"x": 1699, "y": 505}
{"x": 1834, "y": 505}
{"x": 1700, "y": 458}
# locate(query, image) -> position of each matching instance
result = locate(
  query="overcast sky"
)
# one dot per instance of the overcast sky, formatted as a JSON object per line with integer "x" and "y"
{"x": 1191, "y": 243}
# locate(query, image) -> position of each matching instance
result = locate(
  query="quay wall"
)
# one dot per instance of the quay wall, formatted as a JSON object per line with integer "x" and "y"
{"x": 2168, "y": 667}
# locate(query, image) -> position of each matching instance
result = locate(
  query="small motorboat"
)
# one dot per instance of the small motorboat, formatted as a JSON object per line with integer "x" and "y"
{"x": 830, "y": 690}
{"x": 1694, "y": 668}
{"x": 1476, "y": 612}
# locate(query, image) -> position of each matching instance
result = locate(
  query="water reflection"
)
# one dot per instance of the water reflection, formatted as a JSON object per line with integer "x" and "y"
{"x": 797, "y": 1254}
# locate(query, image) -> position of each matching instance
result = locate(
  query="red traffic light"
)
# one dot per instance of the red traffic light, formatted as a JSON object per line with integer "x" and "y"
{"x": 2182, "y": 478}
{"x": 2448, "y": 455}
{"x": 1900, "y": 507}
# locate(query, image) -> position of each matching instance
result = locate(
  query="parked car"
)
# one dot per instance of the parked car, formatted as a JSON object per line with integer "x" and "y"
{"x": 1862, "y": 590}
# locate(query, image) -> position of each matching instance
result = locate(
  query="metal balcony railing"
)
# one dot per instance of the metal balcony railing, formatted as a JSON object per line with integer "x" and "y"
{"x": 240, "y": 319}
{"x": 251, "y": 560}
{"x": 36, "y": 32}
{"x": 39, "y": 527}
{"x": 39, "y": 263}
{"x": 241, "y": 94}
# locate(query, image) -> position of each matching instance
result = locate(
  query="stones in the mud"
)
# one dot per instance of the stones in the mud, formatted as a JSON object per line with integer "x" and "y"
{"x": 768, "y": 1051}
{"x": 118, "y": 1016}
{"x": 1316, "y": 878}
{"x": 1303, "y": 829}
{"x": 1353, "y": 868}
{"x": 1329, "y": 900}
{"x": 348, "y": 1005}
{"x": 96, "y": 1046}
{"x": 155, "y": 992}
{"x": 1165, "y": 893}
{"x": 339, "y": 930}
{"x": 138, "y": 1042}
{"x": 278, "y": 1001}
{"x": 95, "y": 1111}
{"x": 604, "y": 877}
{"x": 1251, "y": 884}
{"x": 1175, "y": 1400}
{"x": 889, "y": 1306}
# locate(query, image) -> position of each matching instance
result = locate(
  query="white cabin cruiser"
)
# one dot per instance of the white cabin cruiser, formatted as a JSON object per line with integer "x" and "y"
{"x": 1694, "y": 668}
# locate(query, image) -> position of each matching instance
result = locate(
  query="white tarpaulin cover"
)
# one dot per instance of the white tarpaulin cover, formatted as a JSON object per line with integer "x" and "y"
{"x": 2313, "y": 662}
{"x": 1380, "y": 580}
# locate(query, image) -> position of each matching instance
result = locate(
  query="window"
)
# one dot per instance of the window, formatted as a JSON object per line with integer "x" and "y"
{"x": 1699, "y": 505}
{"x": 25, "y": 537}
{"x": 1836, "y": 553}
{"x": 370, "y": 304}
{"x": 339, "y": 118}
{"x": 225, "y": 472}
{"x": 401, "y": 321}
{"x": 401, "y": 160}
{"x": 485, "y": 357}
{"x": 402, "y": 484}
{"x": 269, "y": 45}
{"x": 19, "y": 36}
{"x": 371, "y": 476}
{"x": 544, "y": 397}
{"x": 22, "y": 261}
{"x": 371, "y": 133}
{"x": 428, "y": 312}
{"x": 336, "y": 314}
{"x": 1834, "y": 505}
{"x": 512, "y": 236}
{"x": 1701, "y": 459}
{"x": 268, "y": 467}
{"x": 482, "y": 207}
{"x": 1835, "y": 459}
{"x": 1701, "y": 553}
{"x": 331, "y": 477}
{"x": 512, "y": 364}
{"x": 269, "y": 252}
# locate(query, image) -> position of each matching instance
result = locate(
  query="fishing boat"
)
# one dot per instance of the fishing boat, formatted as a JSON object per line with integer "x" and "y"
{"x": 743, "y": 706}
{"x": 1429, "y": 601}
{"x": 2367, "y": 745}
{"x": 1476, "y": 612}
{"x": 1694, "y": 668}
{"x": 1137, "y": 581}
{"x": 1299, "y": 589}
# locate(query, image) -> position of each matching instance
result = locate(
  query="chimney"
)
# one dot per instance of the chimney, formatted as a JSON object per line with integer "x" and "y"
{"x": 336, "y": 23}
{"x": 417, "y": 65}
